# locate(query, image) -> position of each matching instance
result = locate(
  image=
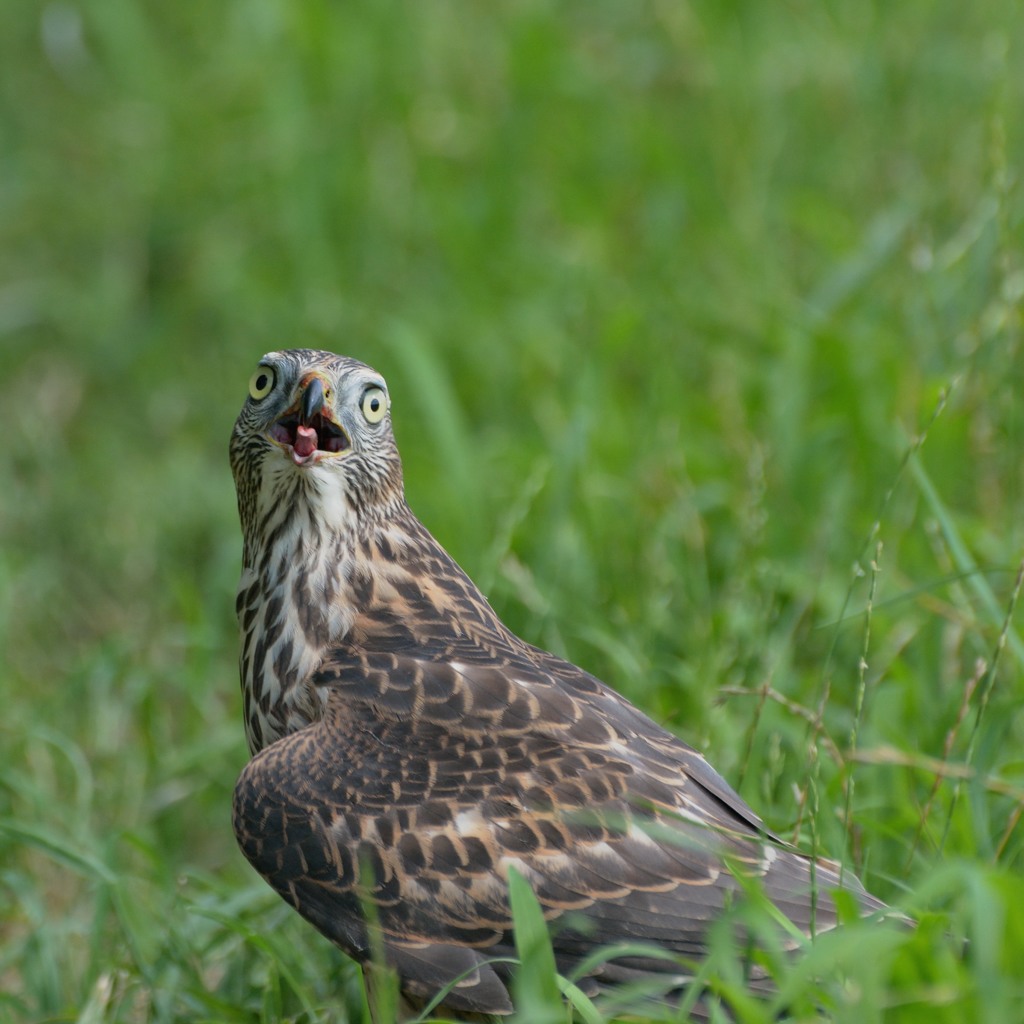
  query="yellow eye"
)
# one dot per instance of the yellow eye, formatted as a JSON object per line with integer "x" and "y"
{"x": 261, "y": 383}
{"x": 374, "y": 405}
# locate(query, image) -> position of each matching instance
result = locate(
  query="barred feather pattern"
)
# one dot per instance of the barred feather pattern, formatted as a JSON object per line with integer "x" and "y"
{"x": 409, "y": 749}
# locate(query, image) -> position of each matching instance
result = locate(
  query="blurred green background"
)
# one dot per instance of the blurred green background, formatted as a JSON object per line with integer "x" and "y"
{"x": 684, "y": 307}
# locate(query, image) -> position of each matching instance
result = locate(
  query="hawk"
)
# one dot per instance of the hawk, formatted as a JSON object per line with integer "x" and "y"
{"x": 409, "y": 750}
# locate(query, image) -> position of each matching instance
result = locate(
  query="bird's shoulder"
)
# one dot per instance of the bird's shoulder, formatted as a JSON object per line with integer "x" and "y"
{"x": 458, "y": 698}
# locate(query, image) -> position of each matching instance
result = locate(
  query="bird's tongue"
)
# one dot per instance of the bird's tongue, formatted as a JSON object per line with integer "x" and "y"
{"x": 305, "y": 441}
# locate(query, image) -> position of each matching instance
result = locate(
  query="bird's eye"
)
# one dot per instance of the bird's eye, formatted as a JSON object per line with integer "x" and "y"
{"x": 261, "y": 383}
{"x": 374, "y": 405}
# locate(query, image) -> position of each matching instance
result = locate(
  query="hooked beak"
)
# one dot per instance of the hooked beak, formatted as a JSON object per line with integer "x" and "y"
{"x": 312, "y": 401}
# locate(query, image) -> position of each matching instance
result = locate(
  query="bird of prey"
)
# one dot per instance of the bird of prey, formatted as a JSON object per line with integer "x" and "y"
{"x": 409, "y": 750}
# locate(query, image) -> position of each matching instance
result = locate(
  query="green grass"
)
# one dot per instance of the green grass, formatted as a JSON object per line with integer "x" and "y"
{"x": 703, "y": 328}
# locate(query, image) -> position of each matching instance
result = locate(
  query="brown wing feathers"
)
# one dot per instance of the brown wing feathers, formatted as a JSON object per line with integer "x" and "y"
{"x": 414, "y": 794}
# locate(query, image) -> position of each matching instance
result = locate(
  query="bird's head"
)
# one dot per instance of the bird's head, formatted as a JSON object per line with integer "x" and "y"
{"x": 314, "y": 437}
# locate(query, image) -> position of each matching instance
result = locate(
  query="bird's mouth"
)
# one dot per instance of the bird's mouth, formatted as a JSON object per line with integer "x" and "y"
{"x": 306, "y": 432}
{"x": 306, "y": 439}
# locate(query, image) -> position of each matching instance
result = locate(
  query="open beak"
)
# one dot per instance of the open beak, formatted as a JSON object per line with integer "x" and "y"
{"x": 306, "y": 430}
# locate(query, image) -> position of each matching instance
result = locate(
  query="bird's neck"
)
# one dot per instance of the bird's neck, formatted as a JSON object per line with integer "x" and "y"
{"x": 313, "y": 584}
{"x": 295, "y": 600}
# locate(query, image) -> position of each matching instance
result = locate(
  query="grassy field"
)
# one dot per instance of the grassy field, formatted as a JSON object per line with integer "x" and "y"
{"x": 703, "y": 327}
